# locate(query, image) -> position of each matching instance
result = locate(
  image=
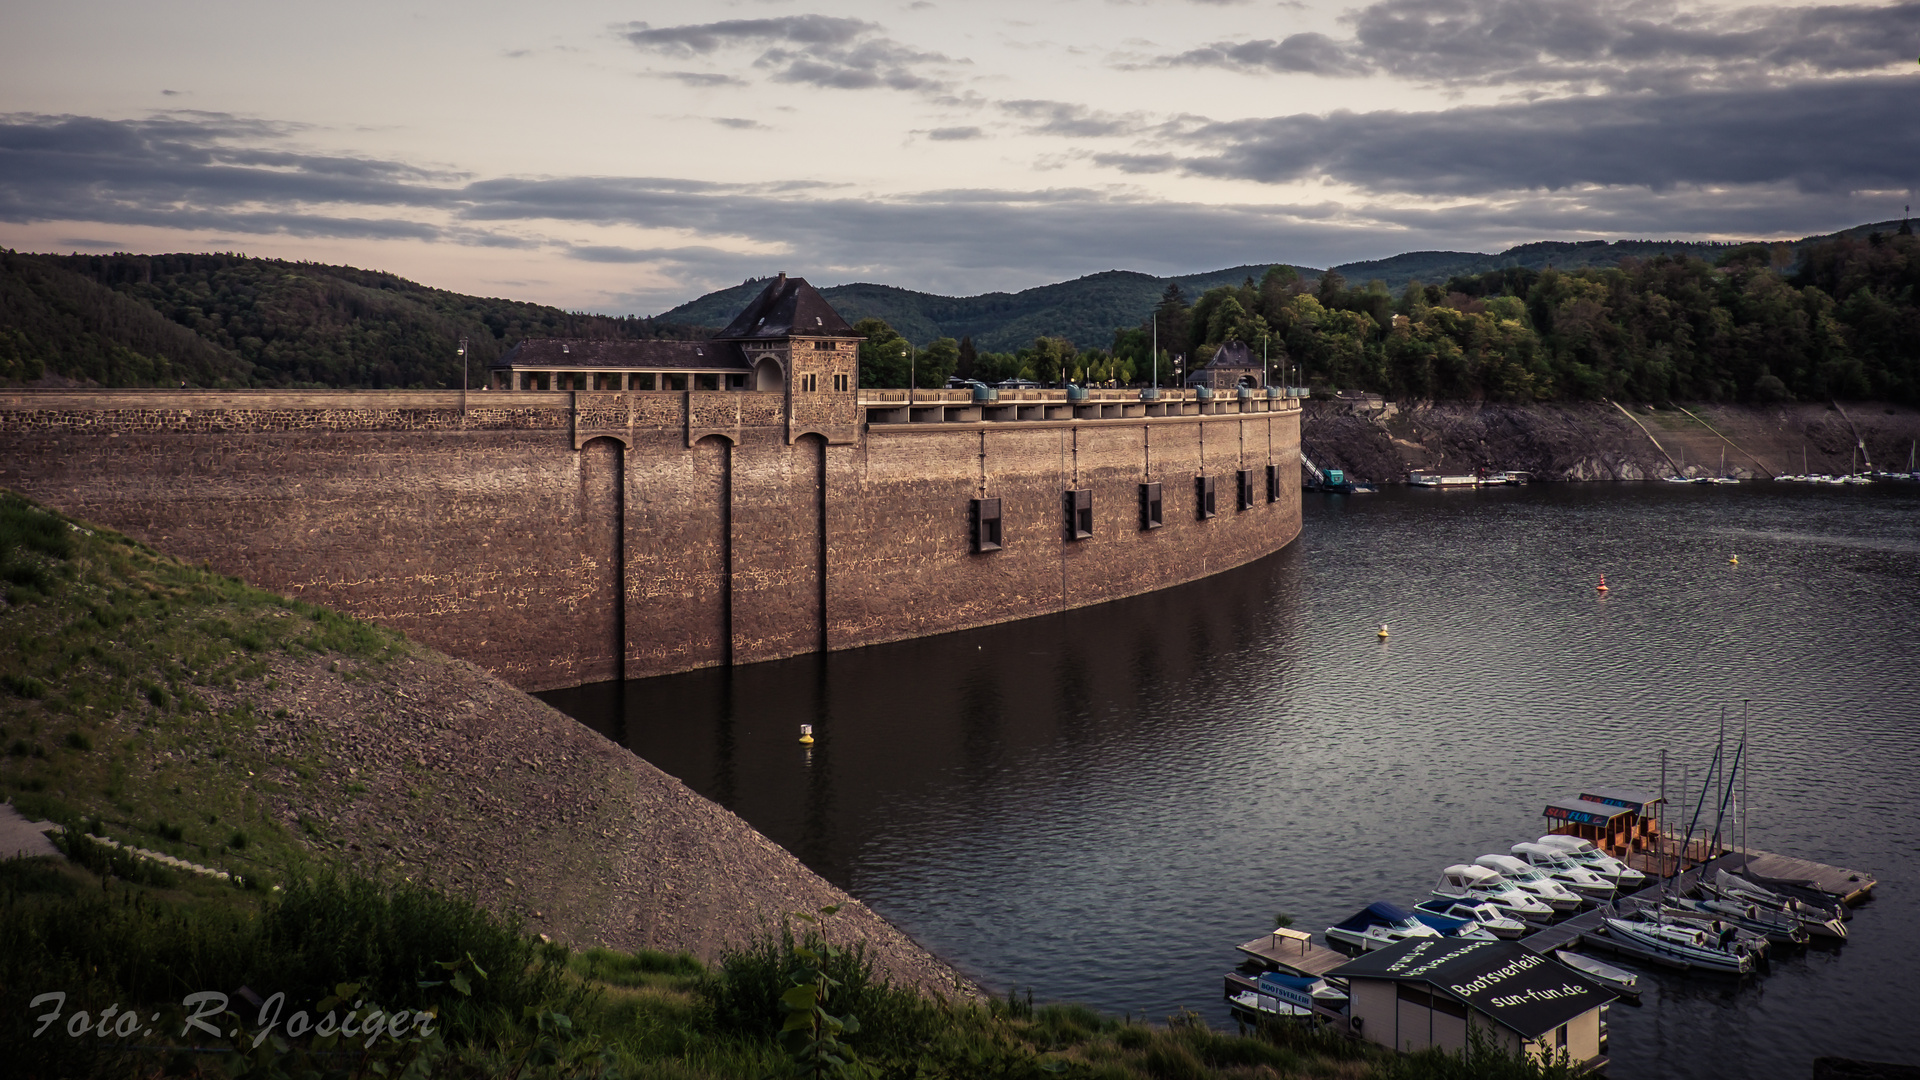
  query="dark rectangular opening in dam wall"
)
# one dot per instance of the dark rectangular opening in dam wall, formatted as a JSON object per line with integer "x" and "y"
{"x": 564, "y": 537}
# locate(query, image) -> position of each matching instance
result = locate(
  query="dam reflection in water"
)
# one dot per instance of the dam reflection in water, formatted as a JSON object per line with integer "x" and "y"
{"x": 1100, "y": 804}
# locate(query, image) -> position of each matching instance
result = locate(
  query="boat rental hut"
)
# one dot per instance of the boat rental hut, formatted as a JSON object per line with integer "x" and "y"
{"x": 1617, "y": 821}
{"x": 1426, "y": 992}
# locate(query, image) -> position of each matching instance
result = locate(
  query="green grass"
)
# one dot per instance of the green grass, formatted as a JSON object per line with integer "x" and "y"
{"x": 110, "y": 654}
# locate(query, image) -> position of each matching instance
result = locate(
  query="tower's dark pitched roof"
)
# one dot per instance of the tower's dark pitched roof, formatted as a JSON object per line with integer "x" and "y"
{"x": 1234, "y": 354}
{"x": 787, "y": 306}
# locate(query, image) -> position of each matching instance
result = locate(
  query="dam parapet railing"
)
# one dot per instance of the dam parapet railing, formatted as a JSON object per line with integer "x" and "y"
{"x": 195, "y": 410}
{"x": 959, "y": 406}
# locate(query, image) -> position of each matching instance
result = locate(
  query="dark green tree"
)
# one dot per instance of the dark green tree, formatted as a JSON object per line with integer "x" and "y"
{"x": 883, "y": 355}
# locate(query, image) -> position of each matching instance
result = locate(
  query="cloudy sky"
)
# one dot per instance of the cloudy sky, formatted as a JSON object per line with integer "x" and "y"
{"x": 624, "y": 157}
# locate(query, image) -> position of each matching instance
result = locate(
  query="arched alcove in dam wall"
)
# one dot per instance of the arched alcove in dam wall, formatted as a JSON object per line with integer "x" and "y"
{"x": 561, "y": 538}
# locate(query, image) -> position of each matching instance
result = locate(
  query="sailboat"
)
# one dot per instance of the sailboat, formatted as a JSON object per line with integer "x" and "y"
{"x": 1854, "y": 475}
{"x": 1680, "y": 476}
{"x": 1724, "y": 477}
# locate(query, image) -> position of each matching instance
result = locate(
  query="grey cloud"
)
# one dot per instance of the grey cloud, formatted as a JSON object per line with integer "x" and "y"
{"x": 740, "y": 123}
{"x": 1314, "y": 54}
{"x": 1619, "y": 44}
{"x": 1830, "y": 135}
{"x": 1071, "y": 120}
{"x": 954, "y": 134}
{"x": 232, "y": 177}
{"x": 710, "y": 37}
{"x": 175, "y": 168}
{"x": 704, "y": 78}
{"x": 817, "y": 50}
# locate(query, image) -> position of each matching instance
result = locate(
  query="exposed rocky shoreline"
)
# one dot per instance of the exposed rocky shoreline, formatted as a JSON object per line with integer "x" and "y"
{"x": 1382, "y": 442}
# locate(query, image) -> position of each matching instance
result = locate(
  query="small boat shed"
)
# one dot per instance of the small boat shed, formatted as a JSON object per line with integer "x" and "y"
{"x": 1615, "y": 820}
{"x": 1424, "y": 993}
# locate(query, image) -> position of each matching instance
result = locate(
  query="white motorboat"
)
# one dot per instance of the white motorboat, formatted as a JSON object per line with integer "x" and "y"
{"x": 1687, "y": 944}
{"x": 1619, "y": 980}
{"x": 1379, "y": 925}
{"x": 1490, "y": 918}
{"x": 1481, "y": 885}
{"x": 1585, "y": 854}
{"x": 1818, "y": 921}
{"x": 1552, "y": 893}
{"x": 1282, "y": 996}
{"x": 1556, "y": 865}
{"x": 1448, "y": 926}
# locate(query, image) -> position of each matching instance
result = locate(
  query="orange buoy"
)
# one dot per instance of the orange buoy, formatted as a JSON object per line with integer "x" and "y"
{"x": 1602, "y": 587}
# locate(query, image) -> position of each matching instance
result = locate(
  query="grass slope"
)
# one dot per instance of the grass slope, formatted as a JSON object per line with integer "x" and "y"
{"x": 166, "y": 707}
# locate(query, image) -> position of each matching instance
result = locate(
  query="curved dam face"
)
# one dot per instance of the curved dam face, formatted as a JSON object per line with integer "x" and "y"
{"x": 563, "y": 537}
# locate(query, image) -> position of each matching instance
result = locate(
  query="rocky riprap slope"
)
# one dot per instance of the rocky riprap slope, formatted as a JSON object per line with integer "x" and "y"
{"x": 1596, "y": 441}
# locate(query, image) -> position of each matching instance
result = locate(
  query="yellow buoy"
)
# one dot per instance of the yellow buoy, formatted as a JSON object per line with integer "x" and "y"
{"x": 1734, "y": 559}
{"x": 1383, "y": 630}
{"x": 806, "y": 734}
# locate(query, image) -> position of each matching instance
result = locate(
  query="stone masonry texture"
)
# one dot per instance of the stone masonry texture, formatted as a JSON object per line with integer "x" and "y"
{"x": 558, "y": 538}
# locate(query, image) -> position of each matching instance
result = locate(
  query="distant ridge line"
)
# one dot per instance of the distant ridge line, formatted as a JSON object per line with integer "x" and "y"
{"x": 1088, "y": 309}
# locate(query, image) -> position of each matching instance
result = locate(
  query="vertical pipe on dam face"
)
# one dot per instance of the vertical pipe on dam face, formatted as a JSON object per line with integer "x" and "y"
{"x": 820, "y": 535}
{"x": 726, "y": 552}
{"x": 619, "y": 560}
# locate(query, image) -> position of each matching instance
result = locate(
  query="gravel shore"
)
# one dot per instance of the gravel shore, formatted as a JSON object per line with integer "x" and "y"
{"x": 431, "y": 769}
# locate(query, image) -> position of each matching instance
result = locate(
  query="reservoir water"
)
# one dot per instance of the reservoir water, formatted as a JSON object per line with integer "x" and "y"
{"x": 1099, "y": 805}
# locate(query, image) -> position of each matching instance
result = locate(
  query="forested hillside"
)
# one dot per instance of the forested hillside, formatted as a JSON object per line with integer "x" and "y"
{"x": 1084, "y": 310}
{"x": 1834, "y": 316}
{"x": 52, "y": 320}
{"x": 1087, "y": 310}
{"x": 234, "y": 321}
{"x": 1843, "y": 322}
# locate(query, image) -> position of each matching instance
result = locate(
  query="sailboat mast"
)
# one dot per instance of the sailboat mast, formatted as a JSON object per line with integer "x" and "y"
{"x": 1660, "y": 823}
{"x": 1720, "y": 755}
{"x": 1686, "y": 774}
{"x": 1746, "y": 770}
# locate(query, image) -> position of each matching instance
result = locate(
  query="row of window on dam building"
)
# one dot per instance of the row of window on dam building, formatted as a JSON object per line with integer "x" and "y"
{"x": 988, "y": 514}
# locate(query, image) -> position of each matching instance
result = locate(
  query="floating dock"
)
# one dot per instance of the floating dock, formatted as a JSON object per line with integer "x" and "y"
{"x": 1810, "y": 880}
{"x": 1293, "y": 952}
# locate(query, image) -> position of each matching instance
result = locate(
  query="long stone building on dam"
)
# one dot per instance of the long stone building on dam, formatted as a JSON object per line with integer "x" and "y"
{"x": 627, "y": 509}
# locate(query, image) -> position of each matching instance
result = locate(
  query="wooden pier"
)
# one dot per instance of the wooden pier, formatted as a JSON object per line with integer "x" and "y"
{"x": 1293, "y": 952}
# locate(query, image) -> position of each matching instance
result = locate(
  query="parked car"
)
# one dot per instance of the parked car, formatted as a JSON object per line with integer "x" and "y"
{"x": 955, "y": 382}
{"x": 1017, "y": 384}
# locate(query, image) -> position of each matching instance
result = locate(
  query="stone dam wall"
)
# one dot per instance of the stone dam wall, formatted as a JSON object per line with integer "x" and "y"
{"x": 558, "y": 538}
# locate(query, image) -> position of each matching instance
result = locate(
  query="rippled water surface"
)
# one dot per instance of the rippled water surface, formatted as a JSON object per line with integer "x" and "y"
{"x": 1100, "y": 805}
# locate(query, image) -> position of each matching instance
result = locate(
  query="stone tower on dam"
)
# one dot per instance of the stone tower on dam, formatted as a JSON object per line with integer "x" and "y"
{"x": 625, "y": 509}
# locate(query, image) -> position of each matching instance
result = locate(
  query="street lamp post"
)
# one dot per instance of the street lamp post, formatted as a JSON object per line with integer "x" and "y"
{"x": 911, "y": 356}
{"x": 463, "y": 376}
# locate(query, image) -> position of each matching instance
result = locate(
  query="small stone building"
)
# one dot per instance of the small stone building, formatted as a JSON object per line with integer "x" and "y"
{"x": 1233, "y": 366}
{"x": 788, "y": 334}
{"x": 1428, "y": 992}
